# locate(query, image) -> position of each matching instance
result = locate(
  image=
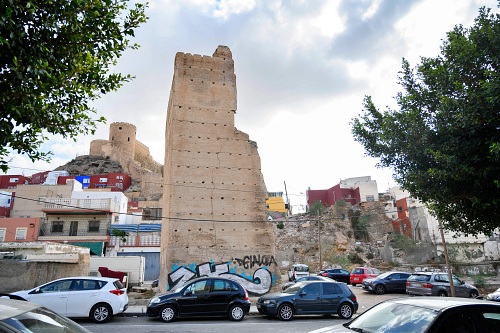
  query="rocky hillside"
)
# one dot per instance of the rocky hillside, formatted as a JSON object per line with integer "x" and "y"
{"x": 91, "y": 165}
{"x": 347, "y": 236}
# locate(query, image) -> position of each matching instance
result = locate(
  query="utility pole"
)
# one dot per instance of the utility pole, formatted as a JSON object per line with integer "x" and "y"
{"x": 447, "y": 259}
{"x": 289, "y": 212}
{"x": 319, "y": 243}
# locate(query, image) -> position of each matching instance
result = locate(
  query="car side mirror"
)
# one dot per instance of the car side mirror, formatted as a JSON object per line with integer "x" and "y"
{"x": 302, "y": 293}
{"x": 462, "y": 282}
{"x": 388, "y": 278}
{"x": 188, "y": 293}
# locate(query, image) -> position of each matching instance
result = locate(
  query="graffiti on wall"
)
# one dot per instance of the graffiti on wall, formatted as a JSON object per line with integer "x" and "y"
{"x": 258, "y": 283}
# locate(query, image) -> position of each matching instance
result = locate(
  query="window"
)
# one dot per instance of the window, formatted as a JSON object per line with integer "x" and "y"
{"x": 94, "y": 226}
{"x": 21, "y": 233}
{"x": 57, "y": 226}
{"x": 103, "y": 180}
{"x": 331, "y": 289}
{"x": 312, "y": 289}
{"x": 220, "y": 285}
{"x": 2, "y": 235}
{"x": 370, "y": 198}
{"x": 13, "y": 180}
{"x": 151, "y": 213}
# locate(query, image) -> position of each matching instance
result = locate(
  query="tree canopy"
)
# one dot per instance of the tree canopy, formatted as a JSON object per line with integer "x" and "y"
{"x": 443, "y": 140}
{"x": 56, "y": 57}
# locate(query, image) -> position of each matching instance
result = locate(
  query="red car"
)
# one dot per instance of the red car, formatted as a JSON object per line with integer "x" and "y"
{"x": 358, "y": 274}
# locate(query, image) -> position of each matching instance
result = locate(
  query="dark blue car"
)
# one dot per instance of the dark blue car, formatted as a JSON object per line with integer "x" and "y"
{"x": 310, "y": 297}
{"x": 387, "y": 282}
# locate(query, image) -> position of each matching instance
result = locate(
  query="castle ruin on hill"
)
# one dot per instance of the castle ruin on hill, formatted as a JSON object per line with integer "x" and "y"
{"x": 214, "y": 196}
{"x": 133, "y": 155}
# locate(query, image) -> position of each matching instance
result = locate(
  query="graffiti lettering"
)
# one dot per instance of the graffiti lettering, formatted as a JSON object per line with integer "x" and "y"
{"x": 251, "y": 261}
{"x": 259, "y": 284}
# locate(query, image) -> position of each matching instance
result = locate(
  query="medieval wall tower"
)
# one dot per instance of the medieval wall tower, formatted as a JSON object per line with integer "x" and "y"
{"x": 214, "y": 196}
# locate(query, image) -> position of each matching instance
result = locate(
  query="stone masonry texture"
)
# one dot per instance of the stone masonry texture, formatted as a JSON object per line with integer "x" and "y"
{"x": 214, "y": 196}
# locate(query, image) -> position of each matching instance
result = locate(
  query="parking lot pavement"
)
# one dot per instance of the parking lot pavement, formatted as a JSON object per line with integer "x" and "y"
{"x": 366, "y": 300}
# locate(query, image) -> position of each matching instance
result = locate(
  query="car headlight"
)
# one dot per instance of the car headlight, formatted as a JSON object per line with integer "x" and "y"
{"x": 269, "y": 301}
{"x": 154, "y": 300}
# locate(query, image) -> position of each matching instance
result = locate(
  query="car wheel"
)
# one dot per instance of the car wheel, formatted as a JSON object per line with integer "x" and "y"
{"x": 346, "y": 311}
{"x": 236, "y": 313}
{"x": 168, "y": 313}
{"x": 101, "y": 313}
{"x": 285, "y": 312}
{"x": 474, "y": 294}
{"x": 442, "y": 294}
{"x": 379, "y": 289}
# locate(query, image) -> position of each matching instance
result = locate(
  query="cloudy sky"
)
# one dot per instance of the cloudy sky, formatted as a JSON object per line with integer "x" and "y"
{"x": 302, "y": 69}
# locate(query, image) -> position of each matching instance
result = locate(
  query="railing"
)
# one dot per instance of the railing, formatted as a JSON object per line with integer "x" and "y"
{"x": 134, "y": 240}
{"x": 66, "y": 204}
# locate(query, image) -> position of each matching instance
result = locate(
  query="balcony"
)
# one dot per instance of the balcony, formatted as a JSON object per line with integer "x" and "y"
{"x": 80, "y": 206}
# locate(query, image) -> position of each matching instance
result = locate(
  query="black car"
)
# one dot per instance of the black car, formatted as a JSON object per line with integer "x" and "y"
{"x": 338, "y": 274}
{"x": 202, "y": 297}
{"x": 425, "y": 314}
{"x": 305, "y": 278}
{"x": 386, "y": 282}
{"x": 310, "y": 297}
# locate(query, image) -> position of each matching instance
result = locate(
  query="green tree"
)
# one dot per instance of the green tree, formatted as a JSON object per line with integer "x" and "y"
{"x": 316, "y": 208}
{"x": 56, "y": 57}
{"x": 443, "y": 144}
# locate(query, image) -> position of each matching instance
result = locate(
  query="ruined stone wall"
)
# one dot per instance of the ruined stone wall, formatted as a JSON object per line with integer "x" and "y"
{"x": 214, "y": 196}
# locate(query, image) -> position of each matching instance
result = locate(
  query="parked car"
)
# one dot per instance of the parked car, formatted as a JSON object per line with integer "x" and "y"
{"x": 358, "y": 274}
{"x": 338, "y": 274}
{"x": 24, "y": 317}
{"x": 429, "y": 314}
{"x": 310, "y": 297}
{"x": 298, "y": 271}
{"x": 386, "y": 282}
{"x": 438, "y": 284}
{"x": 202, "y": 297}
{"x": 305, "y": 278}
{"x": 494, "y": 296}
{"x": 83, "y": 296}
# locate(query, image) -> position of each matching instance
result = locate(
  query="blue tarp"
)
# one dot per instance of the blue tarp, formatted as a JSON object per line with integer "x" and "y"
{"x": 143, "y": 227}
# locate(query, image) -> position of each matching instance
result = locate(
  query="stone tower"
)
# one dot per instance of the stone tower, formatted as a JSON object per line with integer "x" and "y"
{"x": 122, "y": 135}
{"x": 214, "y": 196}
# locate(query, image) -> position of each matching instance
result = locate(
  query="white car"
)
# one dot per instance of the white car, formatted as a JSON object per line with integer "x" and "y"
{"x": 83, "y": 296}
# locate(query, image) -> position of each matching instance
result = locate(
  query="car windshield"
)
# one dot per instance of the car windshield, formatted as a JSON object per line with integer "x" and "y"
{"x": 384, "y": 275}
{"x": 43, "y": 320}
{"x": 392, "y": 317}
{"x": 301, "y": 268}
{"x": 294, "y": 288}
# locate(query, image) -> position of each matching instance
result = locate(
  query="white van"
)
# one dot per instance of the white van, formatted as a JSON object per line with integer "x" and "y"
{"x": 298, "y": 271}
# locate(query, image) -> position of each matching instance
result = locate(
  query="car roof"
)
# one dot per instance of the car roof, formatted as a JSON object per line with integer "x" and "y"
{"x": 442, "y": 303}
{"x": 98, "y": 278}
{"x": 11, "y": 307}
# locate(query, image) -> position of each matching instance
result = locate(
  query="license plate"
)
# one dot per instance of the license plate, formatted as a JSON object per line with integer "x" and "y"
{"x": 356, "y": 279}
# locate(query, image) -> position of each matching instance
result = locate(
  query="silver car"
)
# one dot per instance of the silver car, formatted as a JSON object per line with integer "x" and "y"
{"x": 438, "y": 284}
{"x": 26, "y": 317}
{"x": 494, "y": 296}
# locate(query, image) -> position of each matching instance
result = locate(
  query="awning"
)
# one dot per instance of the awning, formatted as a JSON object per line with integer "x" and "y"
{"x": 96, "y": 248}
